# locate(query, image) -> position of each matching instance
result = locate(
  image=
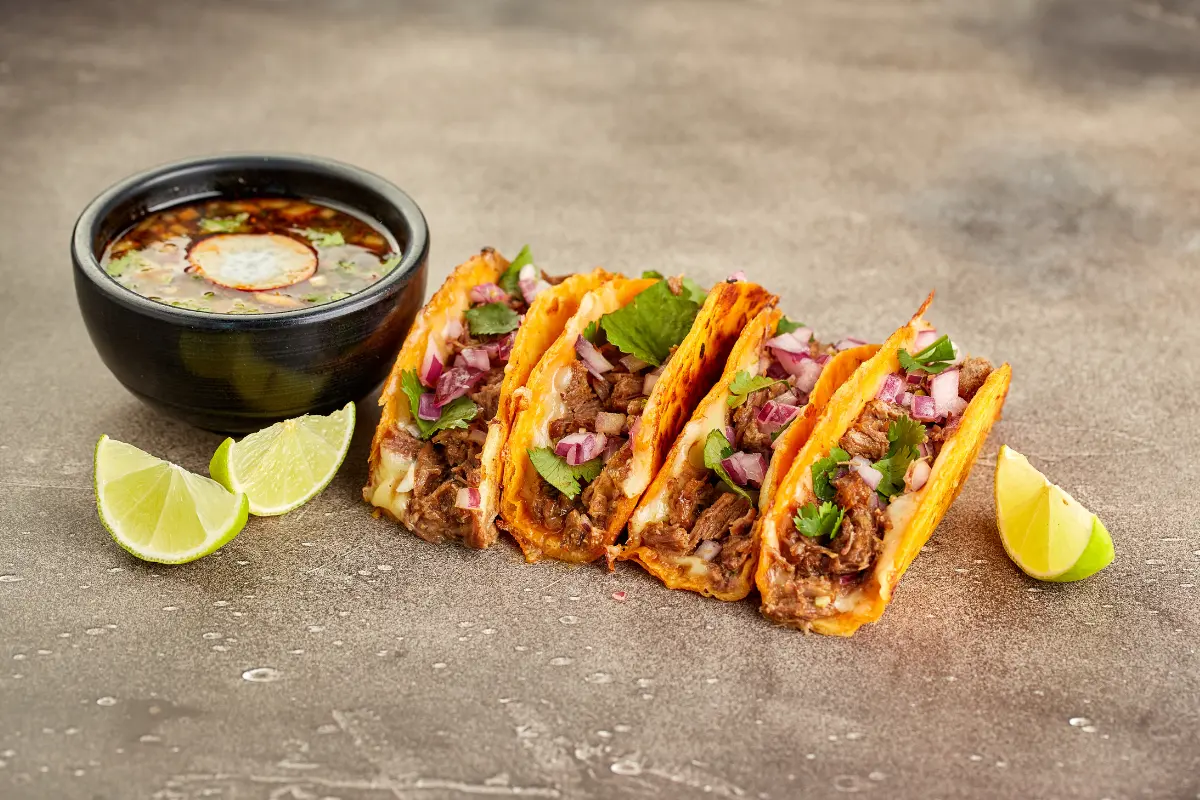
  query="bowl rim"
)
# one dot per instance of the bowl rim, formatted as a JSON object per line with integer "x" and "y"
{"x": 412, "y": 254}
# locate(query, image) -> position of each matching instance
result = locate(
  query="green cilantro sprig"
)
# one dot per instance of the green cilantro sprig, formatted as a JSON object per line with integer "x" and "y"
{"x": 816, "y": 521}
{"x": 324, "y": 238}
{"x": 933, "y": 359}
{"x": 491, "y": 319}
{"x": 744, "y": 384}
{"x": 510, "y": 279}
{"x": 822, "y": 472}
{"x": 717, "y": 448}
{"x": 905, "y": 435}
{"x": 455, "y": 414}
{"x": 785, "y": 325}
{"x": 224, "y": 224}
{"x": 561, "y": 475}
{"x": 651, "y": 324}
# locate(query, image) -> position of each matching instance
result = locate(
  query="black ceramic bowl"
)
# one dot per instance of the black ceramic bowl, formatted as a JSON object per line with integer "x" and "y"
{"x": 234, "y": 372}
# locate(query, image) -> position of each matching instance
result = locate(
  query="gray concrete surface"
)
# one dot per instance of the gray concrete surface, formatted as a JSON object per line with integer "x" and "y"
{"x": 1036, "y": 162}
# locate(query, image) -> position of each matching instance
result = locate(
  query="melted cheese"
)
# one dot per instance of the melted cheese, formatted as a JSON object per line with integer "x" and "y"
{"x": 552, "y": 407}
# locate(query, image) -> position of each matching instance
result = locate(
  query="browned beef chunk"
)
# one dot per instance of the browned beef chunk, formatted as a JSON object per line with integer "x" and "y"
{"x": 487, "y": 395}
{"x": 602, "y": 494}
{"x": 602, "y": 388}
{"x": 581, "y": 532}
{"x": 717, "y": 519}
{"x": 626, "y": 387}
{"x": 687, "y": 494}
{"x": 971, "y": 375}
{"x": 550, "y": 507}
{"x": 868, "y": 436}
{"x": 860, "y": 537}
{"x": 463, "y": 455}
{"x": 581, "y": 403}
{"x": 738, "y": 547}
{"x": 431, "y": 507}
{"x": 746, "y": 432}
{"x": 402, "y": 443}
{"x": 636, "y": 406}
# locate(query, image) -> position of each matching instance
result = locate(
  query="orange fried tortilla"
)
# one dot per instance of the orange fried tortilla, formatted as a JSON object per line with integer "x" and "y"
{"x": 792, "y": 575}
{"x": 402, "y": 467}
{"x": 728, "y": 573}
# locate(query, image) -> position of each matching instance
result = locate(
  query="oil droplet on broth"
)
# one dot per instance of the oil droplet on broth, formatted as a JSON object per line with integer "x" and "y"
{"x": 261, "y": 675}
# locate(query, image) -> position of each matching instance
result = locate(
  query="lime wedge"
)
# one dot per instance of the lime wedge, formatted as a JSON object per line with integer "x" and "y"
{"x": 160, "y": 512}
{"x": 1045, "y": 531}
{"x": 282, "y": 467}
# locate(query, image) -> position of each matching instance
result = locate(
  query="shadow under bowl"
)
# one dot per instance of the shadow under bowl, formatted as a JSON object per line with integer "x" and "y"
{"x": 241, "y": 372}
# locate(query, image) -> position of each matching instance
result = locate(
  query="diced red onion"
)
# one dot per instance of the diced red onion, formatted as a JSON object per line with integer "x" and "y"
{"x": 580, "y": 447}
{"x": 467, "y": 498}
{"x": 823, "y": 359}
{"x": 591, "y": 358}
{"x": 531, "y": 285}
{"x": 891, "y": 390}
{"x": 453, "y": 330}
{"x": 774, "y": 416}
{"x": 635, "y": 426}
{"x": 730, "y": 434}
{"x": 956, "y": 407}
{"x": 708, "y": 549}
{"x": 869, "y": 474}
{"x": 615, "y": 443}
{"x": 924, "y": 339}
{"x": 943, "y": 388}
{"x": 427, "y": 409}
{"x": 795, "y": 342}
{"x": 914, "y": 378}
{"x": 923, "y": 408}
{"x": 848, "y": 343}
{"x": 737, "y": 276}
{"x": 431, "y": 367}
{"x": 610, "y": 423}
{"x": 906, "y": 399}
{"x": 807, "y": 376}
{"x": 745, "y": 468}
{"x": 776, "y": 370}
{"x": 649, "y": 380}
{"x": 477, "y": 436}
{"x": 925, "y": 449}
{"x": 488, "y": 293}
{"x": 917, "y": 474}
{"x": 633, "y": 363}
{"x": 789, "y": 398}
{"x": 619, "y": 596}
{"x": 505, "y": 345}
{"x": 454, "y": 383}
{"x": 473, "y": 358}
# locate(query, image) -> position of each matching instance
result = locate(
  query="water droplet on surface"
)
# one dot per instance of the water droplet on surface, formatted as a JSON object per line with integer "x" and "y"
{"x": 95, "y": 631}
{"x": 976, "y": 757}
{"x": 561, "y": 661}
{"x": 10, "y": 578}
{"x": 465, "y": 624}
{"x": 315, "y": 628}
{"x": 876, "y": 775}
{"x": 569, "y": 619}
{"x": 211, "y": 635}
{"x": 853, "y": 735}
{"x": 1090, "y": 729}
{"x": 644, "y": 683}
{"x": 622, "y": 728}
{"x": 626, "y": 767}
{"x": 1078, "y": 722}
{"x": 384, "y": 567}
{"x": 488, "y": 631}
{"x": 261, "y": 675}
{"x": 106, "y": 701}
{"x": 149, "y": 738}
{"x": 170, "y": 608}
{"x": 440, "y": 665}
{"x": 220, "y": 603}
{"x": 848, "y": 783}
{"x": 599, "y": 677}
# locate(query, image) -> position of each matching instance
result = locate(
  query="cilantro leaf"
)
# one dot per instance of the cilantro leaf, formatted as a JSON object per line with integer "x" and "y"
{"x": 119, "y": 266}
{"x": 509, "y": 279}
{"x": 816, "y": 521}
{"x": 785, "y": 325}
{"x": 933, "y": 359}
{"x": 324, "y": 238}
{"x": 694, "y": 291}
{"x": 224, "y": 224}
{"x": 589, "y": 332}
{"x": 653, "y": 273}
{"x": 716, "y": 447}
{"x": 905, "y": 434}
{"x": 455, "y": 414}
{"x": 744, "y": 384}
{"x": 388, "y": 264}
{"x": 651, "y": 324}
{"x": 490, "y": 319}
{"x": 823, "y": 469}
{"x": 561, "y": 475}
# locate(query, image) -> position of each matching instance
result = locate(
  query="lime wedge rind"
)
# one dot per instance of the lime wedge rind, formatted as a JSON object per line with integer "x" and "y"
{"x": 282, "y": 467}
{"x": 147, "y": 505}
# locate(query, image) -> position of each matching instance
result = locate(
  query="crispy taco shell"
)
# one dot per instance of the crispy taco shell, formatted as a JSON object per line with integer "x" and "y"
{"x": 389, "y": 486}
{"x": 687, "y": 453}
{"x": 690, "y": 371}
{"x": 915, "y": 515}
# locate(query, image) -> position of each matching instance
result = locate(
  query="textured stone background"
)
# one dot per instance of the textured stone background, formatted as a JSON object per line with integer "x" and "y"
{"x": 1036, "y": 162}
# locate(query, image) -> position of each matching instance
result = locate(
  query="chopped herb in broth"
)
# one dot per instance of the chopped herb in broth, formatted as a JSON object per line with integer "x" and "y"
{"x": 250, "y": 256}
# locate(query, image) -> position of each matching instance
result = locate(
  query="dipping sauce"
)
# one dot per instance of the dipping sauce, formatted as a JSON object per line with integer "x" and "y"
{"x": 249, "y": 256}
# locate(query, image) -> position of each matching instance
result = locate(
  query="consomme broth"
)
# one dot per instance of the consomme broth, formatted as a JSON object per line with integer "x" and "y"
{"x": 249, "y": 256}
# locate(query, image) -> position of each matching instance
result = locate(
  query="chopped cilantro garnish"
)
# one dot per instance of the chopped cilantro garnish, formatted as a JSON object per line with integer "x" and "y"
{"x": 323, "y": 238}
{"x": 744, "y": 384}
{"x": 653, "y": 273}
{"x": 349, "y": 266}
{"x": 651, "y": 324}
{"x": 490, "y": 319}
{"x": 904, "y": 435}
{"x": 338, "y": 296}
{"x": 120, "y": 265}
{"x": 313, "y": 298}
{"x": 509, "y": 279}
{"x": 822, "y": 470}
{"x": 785, "y": 325}
{"x": 816, "y": 521}
{"x": 561, "y": 475}
{"x": 455, "y": 414}
{"x": 933, "y": 359}
{"x": 224, "y": 224}
{"x": 694, "y": 291}
{"x": 716, "y": 448}
{"x": 389, "y": 263}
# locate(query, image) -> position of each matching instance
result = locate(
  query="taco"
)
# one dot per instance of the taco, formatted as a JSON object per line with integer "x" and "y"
{"x": 605, "y": 403}
{"x": 447, "y": 405}
{"x": 883, "y": 463}
{"x": 694, "y": 527}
